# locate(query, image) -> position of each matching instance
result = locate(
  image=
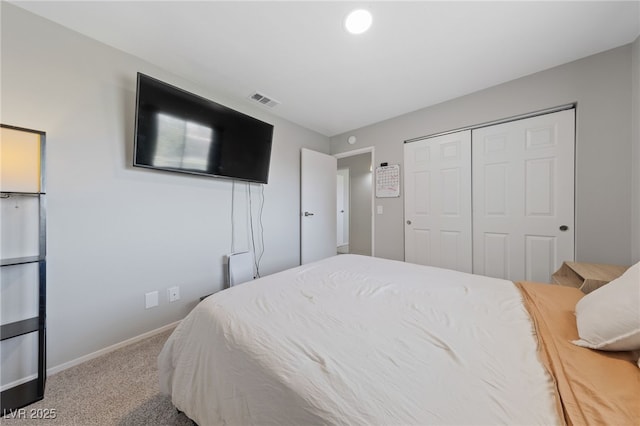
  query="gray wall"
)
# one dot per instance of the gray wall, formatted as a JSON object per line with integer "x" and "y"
{"x": 599, "y": 84}
{"x": 635, "y": 157}
{"x": 360, "y": 185}
{"x": 115, "y": 232}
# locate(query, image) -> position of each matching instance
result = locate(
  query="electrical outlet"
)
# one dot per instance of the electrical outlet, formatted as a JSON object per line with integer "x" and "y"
{"x": 151, "y": 299}
{"x": 173, "y": 293}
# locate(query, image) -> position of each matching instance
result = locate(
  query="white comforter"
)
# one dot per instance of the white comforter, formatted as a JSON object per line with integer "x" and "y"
{"x": 354, "y": 340}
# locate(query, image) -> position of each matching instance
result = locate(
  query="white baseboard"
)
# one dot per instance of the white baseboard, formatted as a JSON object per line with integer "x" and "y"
{"x": 85, "y": 358}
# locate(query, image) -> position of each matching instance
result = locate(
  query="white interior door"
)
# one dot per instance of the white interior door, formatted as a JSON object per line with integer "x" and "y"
{"x": 437, "y": 176}
{"x": 523, "y": 197}
{"x": 340, "y": 210}
{"x": 317, "y": 205}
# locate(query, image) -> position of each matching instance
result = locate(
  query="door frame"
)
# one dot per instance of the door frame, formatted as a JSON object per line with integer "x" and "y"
{"x": 365, "y": 150}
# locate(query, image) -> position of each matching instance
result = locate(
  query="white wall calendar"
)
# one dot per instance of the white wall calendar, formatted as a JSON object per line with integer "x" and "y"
{"x": 388, "y": 181}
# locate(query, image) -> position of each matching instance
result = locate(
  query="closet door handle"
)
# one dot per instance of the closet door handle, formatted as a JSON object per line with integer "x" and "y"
{"x": 308, "y": 214}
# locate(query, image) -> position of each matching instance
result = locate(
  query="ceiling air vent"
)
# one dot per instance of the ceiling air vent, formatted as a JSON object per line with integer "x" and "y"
{"x": 264, "y": 100}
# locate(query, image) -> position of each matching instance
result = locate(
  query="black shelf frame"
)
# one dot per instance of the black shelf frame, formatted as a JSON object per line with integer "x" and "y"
{"x": 18, "y": 328}
{"x": 24, "y": 394}
{"x": 20, "y": 260}
{"x": 31, "y": 390}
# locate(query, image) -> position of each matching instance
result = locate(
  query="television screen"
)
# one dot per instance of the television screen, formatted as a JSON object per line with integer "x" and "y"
{"x": 182, "y": 132}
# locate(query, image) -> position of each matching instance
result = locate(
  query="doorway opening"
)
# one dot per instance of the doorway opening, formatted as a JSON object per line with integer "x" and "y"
{"x": 354, "y": 211}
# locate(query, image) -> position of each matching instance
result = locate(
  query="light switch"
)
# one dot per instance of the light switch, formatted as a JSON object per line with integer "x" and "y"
{"x": 379, "y": 209}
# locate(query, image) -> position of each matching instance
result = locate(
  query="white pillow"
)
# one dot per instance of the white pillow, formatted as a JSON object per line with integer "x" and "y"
{"x": 609, "y": 317}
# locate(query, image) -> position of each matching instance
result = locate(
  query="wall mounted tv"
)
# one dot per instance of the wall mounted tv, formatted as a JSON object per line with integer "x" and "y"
{"x": 181, "y": 132}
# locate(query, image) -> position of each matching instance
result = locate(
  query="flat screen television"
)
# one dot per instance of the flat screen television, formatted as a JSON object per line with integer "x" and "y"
{"x": 182, "y": 132}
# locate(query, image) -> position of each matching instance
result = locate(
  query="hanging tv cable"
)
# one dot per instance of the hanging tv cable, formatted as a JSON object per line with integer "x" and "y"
{"x": 253, "y": 241}
{"x": 261, "y": 224}
{"x": 233, "y": 199}
{"x": 257, "y": 256}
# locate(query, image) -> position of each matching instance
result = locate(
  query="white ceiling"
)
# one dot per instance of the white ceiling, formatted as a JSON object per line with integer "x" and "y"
{"x": 416, "y": 54}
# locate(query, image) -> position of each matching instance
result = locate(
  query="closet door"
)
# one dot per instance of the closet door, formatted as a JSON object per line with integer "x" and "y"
{"x": 523, "y": 197}
{"x": 437, "y": 179}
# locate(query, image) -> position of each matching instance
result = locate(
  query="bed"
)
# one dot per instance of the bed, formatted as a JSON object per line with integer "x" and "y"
{"x": 356, "y": 340}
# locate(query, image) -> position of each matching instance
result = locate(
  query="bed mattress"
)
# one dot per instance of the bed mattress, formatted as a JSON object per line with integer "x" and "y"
{"x": 360, "y": 340}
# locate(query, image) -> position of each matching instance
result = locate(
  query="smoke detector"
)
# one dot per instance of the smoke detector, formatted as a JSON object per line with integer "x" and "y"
{"x": 263, "y": 99}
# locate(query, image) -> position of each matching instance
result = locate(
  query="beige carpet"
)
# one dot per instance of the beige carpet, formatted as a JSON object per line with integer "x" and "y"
{"x": 119, "y": 388}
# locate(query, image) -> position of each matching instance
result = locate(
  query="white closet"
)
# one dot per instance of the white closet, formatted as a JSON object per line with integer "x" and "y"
{"x": 496, "y": 200}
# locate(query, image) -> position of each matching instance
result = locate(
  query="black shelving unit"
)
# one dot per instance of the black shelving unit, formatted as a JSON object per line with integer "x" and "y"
{"x": 33, "y": 390}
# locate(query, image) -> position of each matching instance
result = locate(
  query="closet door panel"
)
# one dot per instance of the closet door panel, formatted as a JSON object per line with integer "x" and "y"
{"x": 523, "y": 189}
{"x": 540, "y": 254}
{"x": 437, "y": 176}
{"x": 497, "y": 265}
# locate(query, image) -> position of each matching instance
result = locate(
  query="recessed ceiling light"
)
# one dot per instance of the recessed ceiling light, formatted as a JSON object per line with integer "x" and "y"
{"x": 358, "y": 21}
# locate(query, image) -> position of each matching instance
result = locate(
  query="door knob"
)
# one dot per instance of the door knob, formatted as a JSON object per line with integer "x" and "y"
{"x": 564, "y": 228}
{"x": 408, "y": 222}
{"x": 308, "y": 214}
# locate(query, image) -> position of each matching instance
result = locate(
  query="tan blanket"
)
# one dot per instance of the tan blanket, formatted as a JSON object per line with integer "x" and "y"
{"x": 594, "y": 387}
